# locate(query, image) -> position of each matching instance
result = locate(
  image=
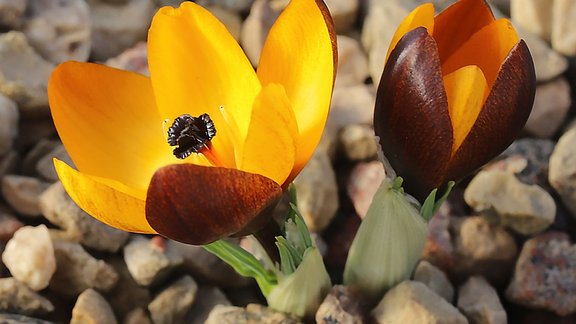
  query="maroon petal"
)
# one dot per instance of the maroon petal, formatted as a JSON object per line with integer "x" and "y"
{"x": 198, "y": 205}
{"x": 411, "y": 114}
{"x": 503, "y": 116}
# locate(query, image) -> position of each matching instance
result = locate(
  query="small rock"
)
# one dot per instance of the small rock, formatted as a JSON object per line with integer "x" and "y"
{"x": 92, "y": 308}
{"x": 8, "y": 123}
{"x": 234, "y": 5}
{"x": 41, "y": 149}
{"x": 137, "y": 316}
{"x": 545, "y": 275}
{"x": 45, "y": 165}
{"x": 551, "y": 106}
{"x": 15, "y": 297}
{"x": 205, "y": 266}
{"x": 207, "y": 299}
{"x": 527, "y": 209}
{"x": 483, "y": 249}
{"x": 59, "y": 30}
{"x": 255, "y": 29}
{"x": 414, "y": 302}
{"x": 547, "y": 62}
{"x": 77, "y": 270}
{"x": 127, "y": 295}
{"x": 358, "y": 142}
{"x": 344, "y": 13}
{"x": 150, "y": 260}
{"x": 11, "y": 12}
{"x": 23, "y": 74}
{"x": 29, "y": 256}
{"x": 364, "y": 181}
{"x": 20, "y": 319}
{"x": 9, "y": 163}
{"x": 502, "y": 5}
{"x": 60, "y": 210}
{"x": 352, "y": 63}
{"x": 117, "y": 27}
{"x": 134, "y": 59}
{"x": 8, "y": 224}
{"x": 480, "y": 302}
{"x": 435, "y": 279}
{"x": 253, "y": 313}
{"x": 317, "y": 192}
{"x": 534, "y": 16}
{"x": 173, "y": 303}
{"x": 563, "y": 26}
{"x": 562, "y": 174}
{"x": 34, "y": 130}
{"x": 23, "y": 194}
{"x": 230, "y": 19}
{"x": 341, "y": 305}
{"x": 535, "y": 154}
{"x": 439, "y": 249}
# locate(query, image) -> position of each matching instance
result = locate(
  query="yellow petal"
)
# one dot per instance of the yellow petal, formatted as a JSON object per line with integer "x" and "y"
{"x": 422, "y": 16}
{"x": 108, "y": 201}
{"x": 270, "y": 145}
{"x": 108, "y": 122}
{"x": 466, "y": 90}
{"x": 456, "y": 24}
{"x": 196, "y": 66}
{"x": 300, "y": 54}
{"x": 487, "y": 49}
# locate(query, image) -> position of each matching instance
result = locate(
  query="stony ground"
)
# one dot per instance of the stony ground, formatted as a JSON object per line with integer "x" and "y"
{"x": 501, "y": 249}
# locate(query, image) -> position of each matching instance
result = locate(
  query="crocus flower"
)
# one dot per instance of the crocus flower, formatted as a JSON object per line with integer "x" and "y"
{"x": 456, "y": 90}
{"x": 197, "y": 151}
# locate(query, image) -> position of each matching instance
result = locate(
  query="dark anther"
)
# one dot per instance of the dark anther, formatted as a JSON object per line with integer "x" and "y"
{"x": 190, "y": 134}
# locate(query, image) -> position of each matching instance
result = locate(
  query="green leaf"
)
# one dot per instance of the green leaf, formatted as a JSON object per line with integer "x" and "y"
{"x": 290, "y": 258}
{"x": 442, "y": 199}
{"x": 427, "y": 209}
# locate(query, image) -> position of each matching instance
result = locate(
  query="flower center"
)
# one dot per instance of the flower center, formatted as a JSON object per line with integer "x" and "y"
{"x": 191, "y": 134}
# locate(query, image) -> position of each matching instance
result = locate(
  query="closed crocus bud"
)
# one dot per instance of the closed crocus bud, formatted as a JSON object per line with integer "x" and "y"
{"x": 456, "y": 90}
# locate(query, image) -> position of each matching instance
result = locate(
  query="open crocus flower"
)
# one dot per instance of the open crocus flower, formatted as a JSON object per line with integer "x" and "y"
{"x": 456, "y": 90}
{"x": 197, "y": 151}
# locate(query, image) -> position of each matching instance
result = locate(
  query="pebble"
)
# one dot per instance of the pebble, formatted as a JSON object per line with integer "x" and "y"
{"x": 137, "y": 316}
{"x": 45, "y": 165}
{"x": 21, "y": 319}
{"x": 439, "y": 249}
{"x": 230, "y": 19}
{"x": 63, "y": 212}
{"x": 435, "y": 279}
{"x": 344, "y": 13}
{"x": 34, "y": 130}
{"x": 255, "y": 29}
{"x": 527, "y": 209}
{"x": 317, "y": 192}
{"x": 341, "y": 305}
{"x": 365, "y": 179}
{"x": 8, "y": 123}
{"x": 41, "y": 148}
{"x": 352, "y": 63}
{"x": 358, "y": 142}
{"x": 150, "y": 260}
{"x": 24, "y": 74}
{"x": 207, "y": 298}
{"x": 548, "y": 63}
{"x": 92, "y": 308}
{"x": 76, "y": 271}
{"x": 9, "y": 163}
{"x": 253, "y": 313}
{"x": 563, "y": 26}
{"x": 206, "y": 267}
{"x": 127, "y": 295}
{"x": 545, "y": 274}
{"x": 414, "y": 302}
{"x": 528, "y": 159}
{"x": 59, "y": 30}
{"x": 234, "y": 5}
{"x": 483, "y": 249}
{"x": 551, "y": 105}
{"x": 134, "y": 59}
{"x": 110, "y": 21}
{"x": 8, "y": 224}
{"x": 16, "y": 297}
{"x": 23, "y": 194}
{"x": 173, "y": 303}
{"x": 562, "y": 174}
{"x": 534, "y": 16}
{"x": 480, "y": 302}
{"x": 12, "y": 12}
{"x": 29, "y": 256}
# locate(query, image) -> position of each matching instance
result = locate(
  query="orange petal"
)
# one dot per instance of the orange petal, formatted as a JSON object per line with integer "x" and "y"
{"x": 300, "y": 54}
{"x": 196, "y": 66}
{"x": 108, "y": 122}
{"x": 487, "y": 49}
{"x": 466, "y": 90}
{"x": 422, "y": 16}
{"x": 270, "y": 145}
{"x": 199, "y": 205}
{"x": 108, "y": 201}
{"x": 457, "y": 23}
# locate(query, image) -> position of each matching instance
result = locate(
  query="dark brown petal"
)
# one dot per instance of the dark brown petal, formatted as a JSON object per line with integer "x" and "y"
{"x": 332, "y": 31}
{"x": 503, "y": 116}
{"x": 198, "y": 205}
{"x": 411, "y": 114}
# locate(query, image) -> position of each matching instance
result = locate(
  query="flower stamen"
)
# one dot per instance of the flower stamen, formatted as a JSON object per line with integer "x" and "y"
{"x": 191, "y": 135}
